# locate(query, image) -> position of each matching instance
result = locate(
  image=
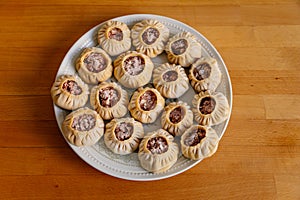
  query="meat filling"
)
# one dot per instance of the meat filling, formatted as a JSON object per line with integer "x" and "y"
{"x": 176, "y": 115}
{"x": 179, "y": 46}
{"x": 123, "y": 131}
{"x": 157, "y": 145}
{"x": 95, "y": 62}
{"x": 134, "y": 65}
{"x": 150, "y": 35}
{"x": 72, "y": 87}
{"x": 207, "y": 105}
{"x": 195, "y": 137}
{"x": 108, "y": 97}
{"x": 170, "y": 76}
{"x": 148, "y": 100}
{"x": 84, "y": 122}
{"x": 115, "y": 33}
{"x": 202, "y": 71}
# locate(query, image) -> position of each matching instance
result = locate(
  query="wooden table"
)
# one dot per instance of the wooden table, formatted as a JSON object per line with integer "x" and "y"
{"x": 259, "y": 155}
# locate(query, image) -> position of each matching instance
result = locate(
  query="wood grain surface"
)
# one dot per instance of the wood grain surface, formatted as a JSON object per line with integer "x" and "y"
{"x": 259, "y": 155}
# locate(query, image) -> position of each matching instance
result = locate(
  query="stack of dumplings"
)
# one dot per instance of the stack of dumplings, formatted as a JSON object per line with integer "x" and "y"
{"x": 117, "y": 89}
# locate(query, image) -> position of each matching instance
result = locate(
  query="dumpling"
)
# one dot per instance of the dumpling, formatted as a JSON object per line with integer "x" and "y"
{"x": 176, "y": 118}
{"x": 94, "y": 65}
{"x": 205, "y": 74}
{"x": 210, "y": 108}
{"x": 83, "y": 127}
{"x": 69, "y": 92}
{"x": 114, "y": 37}
{"x": 123, "y": 136}
{"x": 157, "y": 151}
{"x": 183, "y": 49}
{"x": 199, "y": 142}
{"x": 146, "y": 104}
{"x": 109, "y": 100}
{"x": 149, "y": 37}
{"x": 170, "y": 80}
{"x": 133, "y": 69}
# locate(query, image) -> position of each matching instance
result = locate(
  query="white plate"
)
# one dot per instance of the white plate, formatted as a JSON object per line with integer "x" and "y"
{"x": 128, "y": 167}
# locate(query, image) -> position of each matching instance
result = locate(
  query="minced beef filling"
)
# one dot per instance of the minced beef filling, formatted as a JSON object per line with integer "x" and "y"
{"x": 134, "y": 65}
{"x": 170, "y": 76}
{"x": 72, "y": 87}
{"x": 157, "y": 145}
{"x": 207, "y": 105}
{"x": 179, "y": 46}
{"x": 108, "y": 97}
{"x": 84, "y": 122}
{"x": 115, "y": 33}
{"x": 150, "y": 35}
{"x": 176, "y": 115}
{"x": 202, "y": 71}
{"x": 148, "y": 100}
{"x": 95, "y": 62}
{"x": 123, "y": 131}
{"x": 195, "y": 137}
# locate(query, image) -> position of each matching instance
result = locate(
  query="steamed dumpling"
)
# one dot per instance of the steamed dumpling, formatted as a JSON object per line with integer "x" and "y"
{"x": 114, "y": 37}
{"x": 133, "y": 69}
{"x": 94, "y": 65}
{"x": 158, "y": 152}
{"x": 170, "y": 80}
{"x": 199, "y": 142}
{"x": 123, "y": 135}
{"x": 183, "y": 49}
{"x": 69, "y": 92}
{"x": 83, "y": 127}
{"x": 176, "y": 118}
{"x": 210, "y": 108}
{"x": 205, "y": 74}
{"x": 146, "y": 104}
{"x": 109, "y": 100}
{"x": 149, "y": 37}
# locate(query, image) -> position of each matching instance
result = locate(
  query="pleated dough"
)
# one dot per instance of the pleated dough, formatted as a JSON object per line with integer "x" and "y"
{"x": 170, "y": 80}
{"x": 183, "y": 49}
{"x": 94, "y": 65}
{"x": 176, "y": 118}
{"x": 149, "y": 37}
{"x": 146, "y": 104}
{"x": 210, "y": 108}
{"x": 133, "y": 69}
{"x": 199, "y": 142}
{"x": 83, "y": 127}
{"x": 205, "y": 74}
{"x": 114, "y": 37}
{"x": 123, "y": 136}
{"x": 109, "y": 100}
{"x": 69, "y": 92}
{"x": 157, "y": 151}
